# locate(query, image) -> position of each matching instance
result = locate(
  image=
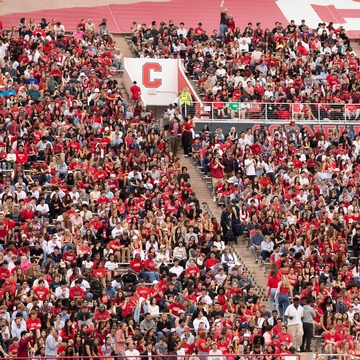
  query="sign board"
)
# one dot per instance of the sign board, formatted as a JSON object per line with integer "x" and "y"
{"x": 157, "y": 78}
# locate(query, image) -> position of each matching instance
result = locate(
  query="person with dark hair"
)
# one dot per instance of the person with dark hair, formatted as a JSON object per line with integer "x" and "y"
{"x": 51, "y": 344}
{"x": 26, "y": 337}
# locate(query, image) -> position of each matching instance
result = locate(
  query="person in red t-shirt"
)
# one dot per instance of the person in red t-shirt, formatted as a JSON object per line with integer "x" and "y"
{"x": 136, "y": 264}
{"x": 330, "y": 341}
{"x": 192, "y": 270}
{"x": 102, "y": 314}
{"x": 175, "y": 307}
{"x": 76, "y": 292}
{"x": 286, "y": 337}
{"x": 143, "y": 290}
{"x": 41, "y": 291}
{"x": 13, "y": 348}
{"x": 69, "y": 257}
{"x": 34, "y": 323}
{"x": 135, "y": 93}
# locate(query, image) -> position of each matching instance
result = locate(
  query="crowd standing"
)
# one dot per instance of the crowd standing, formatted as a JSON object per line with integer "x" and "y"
{"x": 105, "y": 250}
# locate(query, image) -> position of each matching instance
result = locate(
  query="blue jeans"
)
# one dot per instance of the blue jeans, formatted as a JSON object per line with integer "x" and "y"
{"x": 283, "y": 302}
{"x": 117, "y": 65}
{"x": 273, "y": 305}
{"x": 152, "y": 275}
{"x": 223, "y": 28}
{"x": 203, "y": 355}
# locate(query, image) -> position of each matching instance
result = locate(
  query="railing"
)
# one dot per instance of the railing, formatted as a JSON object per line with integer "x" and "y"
{"x": 315, "y": 356}
{"x": 270, "y": 112}
{"x": 163, "y": 357}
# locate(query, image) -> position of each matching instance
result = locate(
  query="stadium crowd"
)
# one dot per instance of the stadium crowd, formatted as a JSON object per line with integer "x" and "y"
{"x": 298, "y": 72}
{"x": 105, "y": 250}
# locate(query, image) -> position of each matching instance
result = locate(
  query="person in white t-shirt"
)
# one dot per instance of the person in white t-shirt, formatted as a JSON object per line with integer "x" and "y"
{"x": 43, "y": 207}
{"x": 215, "y": 353}
{"x": 250, "y": 166}
{"x": 181, "y": 30}
{"x": 131, "y": 353}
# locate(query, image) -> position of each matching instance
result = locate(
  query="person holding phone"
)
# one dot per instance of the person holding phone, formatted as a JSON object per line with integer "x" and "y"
{"x": 294, "y": 314}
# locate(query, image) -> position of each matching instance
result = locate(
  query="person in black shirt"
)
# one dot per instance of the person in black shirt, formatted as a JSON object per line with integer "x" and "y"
{"x": 224, "y": 18}
{"x": 250, "y": 298}
{"x": 174, "y": 343}
{"x": 37, "y": 253}
{"x": 130, "y": 280}
{"x": 96, "y": 287}
{"x": 217, "y": 312}
{"x": 104, "y": 233}
{"x": 267, "y": 230}
{"x": 170, "y": 293}
{"x": 184, "y": 175}
{"x": 125, "y": 246}
{"x": 199, "y": 307}
{"x": 87, "y": 346}
{"x": 356, "y": 242}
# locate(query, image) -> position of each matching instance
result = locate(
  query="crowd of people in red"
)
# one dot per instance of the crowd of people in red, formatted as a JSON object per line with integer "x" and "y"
{"x": 105, "y": 249}
{"x": 292, "y": 70}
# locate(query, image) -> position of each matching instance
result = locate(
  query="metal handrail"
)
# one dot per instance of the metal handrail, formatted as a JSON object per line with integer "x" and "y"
{"x": 320, "y": 113}
{"x": 155, "y": 357}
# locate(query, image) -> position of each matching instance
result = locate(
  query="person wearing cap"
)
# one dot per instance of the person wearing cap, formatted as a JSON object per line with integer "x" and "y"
{"x": 294, "y": 314}
{"x": 101, "y": 314}
{"x": 215, "y": 353}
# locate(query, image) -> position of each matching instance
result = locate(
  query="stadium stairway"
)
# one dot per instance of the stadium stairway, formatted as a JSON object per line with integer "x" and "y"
{"x": 121, "y": 43}
{"x": 201, "y": 187}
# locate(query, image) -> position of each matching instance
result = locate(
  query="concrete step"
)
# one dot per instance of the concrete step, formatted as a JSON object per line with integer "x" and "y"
{"x": 244, "y": 255}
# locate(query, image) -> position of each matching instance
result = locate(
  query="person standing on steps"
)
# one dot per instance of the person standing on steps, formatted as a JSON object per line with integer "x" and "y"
{"x": 135, "y": 93}
{"x": 216, "y": 170}
{"x": 185, "y": 101}
{"x": 175, "y": 135}
{"x": 224, "y": 19}
{"x": 186, "y": 135}
{"x": 294, "y": 314}
{"x": 308, "y": 325}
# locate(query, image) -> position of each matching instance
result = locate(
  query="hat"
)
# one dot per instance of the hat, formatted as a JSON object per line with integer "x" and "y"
{"x": 77, "y": 210}
{"x": 186, "y": 328}
{"x": 172, "y": 330}
{"x": 284, "y": 343}
{"x": 97, "y": 90}
{"x": 89, "y": 330}
{"x": 203, "y": 255}
{"x": 197, "y": 136}
{"x": 192, "y": 204}
{"x": 151, "y": 255}
{"x": 101, "y": 306}
{"x": 107, "y": 128}
{"x": 275, "y": 336}
{"x": 155, "y": 282}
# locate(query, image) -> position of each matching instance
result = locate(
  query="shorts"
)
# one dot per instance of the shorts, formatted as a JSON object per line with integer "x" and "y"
{"x": 216, "y": 182}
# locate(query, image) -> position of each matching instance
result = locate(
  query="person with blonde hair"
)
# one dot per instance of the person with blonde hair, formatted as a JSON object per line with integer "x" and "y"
{"x": 282, "y": 293}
